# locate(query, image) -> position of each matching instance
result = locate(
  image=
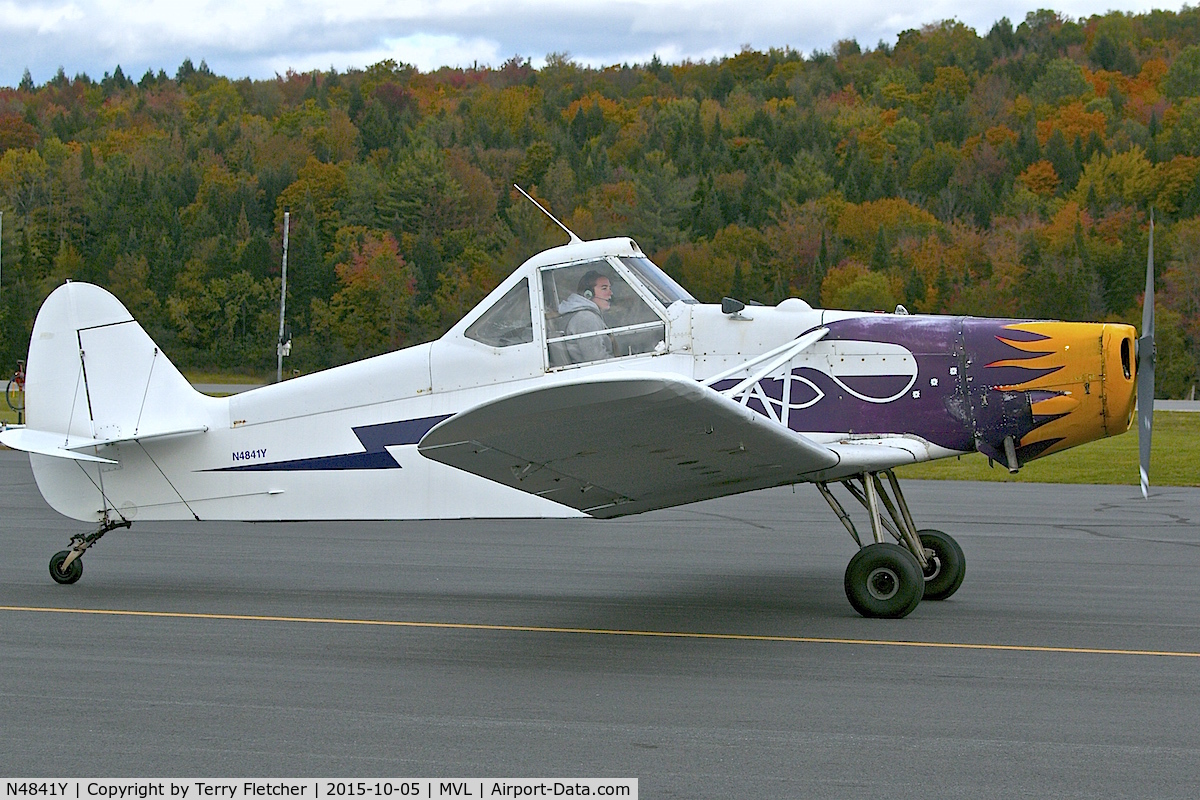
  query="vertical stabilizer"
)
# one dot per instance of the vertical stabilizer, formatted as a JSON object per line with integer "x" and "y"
{"x": 95, "y": 379}
{"x": 95, "y": 374}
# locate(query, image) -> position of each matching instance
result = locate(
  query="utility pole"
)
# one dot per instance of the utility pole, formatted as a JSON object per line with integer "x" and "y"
{"x": 284, "y": 347}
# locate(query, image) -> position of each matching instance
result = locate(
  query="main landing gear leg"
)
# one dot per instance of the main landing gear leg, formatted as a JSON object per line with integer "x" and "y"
{"x": 66, "y": 566}
{"x": 889, "y": 580}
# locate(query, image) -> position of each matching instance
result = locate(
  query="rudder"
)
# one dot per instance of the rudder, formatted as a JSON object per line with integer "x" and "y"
{"x": 95, "y": 378}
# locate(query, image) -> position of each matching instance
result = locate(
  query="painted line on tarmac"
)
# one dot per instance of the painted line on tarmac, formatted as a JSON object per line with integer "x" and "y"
{"x": 737, "y": 637}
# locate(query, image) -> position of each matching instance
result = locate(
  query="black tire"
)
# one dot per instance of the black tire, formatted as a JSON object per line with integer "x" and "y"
{"x": 74, "y": 571}
{"x": 884, "y": 580}
{"x": 947, "y": 567}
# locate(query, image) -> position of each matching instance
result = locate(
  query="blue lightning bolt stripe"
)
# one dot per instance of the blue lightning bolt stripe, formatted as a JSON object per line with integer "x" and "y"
{"x": 375, "y": 440}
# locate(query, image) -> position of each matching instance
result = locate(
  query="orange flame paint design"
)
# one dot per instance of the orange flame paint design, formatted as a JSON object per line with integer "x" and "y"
{"x": 1082, "y": 399}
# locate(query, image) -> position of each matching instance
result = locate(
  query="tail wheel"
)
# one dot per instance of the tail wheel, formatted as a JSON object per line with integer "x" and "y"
{"x": 884, "y": 580}
{"x": 947, "y": 566}
{"x": 71, "y": 574}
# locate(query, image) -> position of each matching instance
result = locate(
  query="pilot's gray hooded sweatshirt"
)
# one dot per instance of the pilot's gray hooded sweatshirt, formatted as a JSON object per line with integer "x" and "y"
{"x": 580, "y": 315}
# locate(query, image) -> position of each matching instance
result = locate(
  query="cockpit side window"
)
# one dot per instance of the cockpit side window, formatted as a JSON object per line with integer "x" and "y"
{"x": 508, "y": 322}
{"x": 592, "y": 314}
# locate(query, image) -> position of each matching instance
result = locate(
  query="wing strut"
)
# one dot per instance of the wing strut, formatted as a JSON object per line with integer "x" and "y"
{"x": 775, "y": 359}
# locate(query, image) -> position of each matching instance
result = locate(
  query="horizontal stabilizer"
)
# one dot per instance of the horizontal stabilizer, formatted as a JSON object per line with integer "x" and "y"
{"x": 143, "y": 436}
{"x": 621, "y": 444}
{"x": 46, "y": 443}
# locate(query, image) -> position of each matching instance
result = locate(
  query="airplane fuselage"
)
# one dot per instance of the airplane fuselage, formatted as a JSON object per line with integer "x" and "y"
{"x": 879, "y": 389}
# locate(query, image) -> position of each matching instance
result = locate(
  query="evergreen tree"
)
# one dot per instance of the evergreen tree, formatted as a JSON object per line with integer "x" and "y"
{"x": 1064, "y": 160}
{"x": 881, "y": 257}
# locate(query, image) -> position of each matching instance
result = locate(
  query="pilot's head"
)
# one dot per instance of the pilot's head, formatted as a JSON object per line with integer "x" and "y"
{"x": 597, "y": 287}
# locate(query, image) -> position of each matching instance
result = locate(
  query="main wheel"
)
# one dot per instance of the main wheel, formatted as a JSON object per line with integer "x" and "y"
{"x": 884, "y": 580}
{"x": 946, "y": 569}
{"x": 74, "y": 570}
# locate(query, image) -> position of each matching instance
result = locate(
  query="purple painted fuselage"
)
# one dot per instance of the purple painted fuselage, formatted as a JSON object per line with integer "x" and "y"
{"x": 961, "y": 383}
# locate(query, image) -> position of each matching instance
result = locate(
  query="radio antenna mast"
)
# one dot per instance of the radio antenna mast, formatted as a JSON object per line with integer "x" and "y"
{"x": 284, "y": 347}
{"x": 574, "y": 239}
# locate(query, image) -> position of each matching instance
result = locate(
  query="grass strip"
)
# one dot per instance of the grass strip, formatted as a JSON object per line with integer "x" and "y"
{"x": 1174, "y": 460}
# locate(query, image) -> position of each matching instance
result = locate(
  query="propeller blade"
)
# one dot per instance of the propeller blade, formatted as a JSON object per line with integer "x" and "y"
{"x": 1145, "y": 370}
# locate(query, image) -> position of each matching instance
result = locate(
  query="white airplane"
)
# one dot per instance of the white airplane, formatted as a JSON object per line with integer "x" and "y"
{"x": 588, "y": 383}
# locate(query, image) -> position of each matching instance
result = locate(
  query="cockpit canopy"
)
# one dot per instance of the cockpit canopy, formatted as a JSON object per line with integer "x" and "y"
{"x": 581, "y": 323}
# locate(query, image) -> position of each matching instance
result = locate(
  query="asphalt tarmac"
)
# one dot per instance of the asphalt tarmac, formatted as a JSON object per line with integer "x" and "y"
{"x": 1068, "y": 664}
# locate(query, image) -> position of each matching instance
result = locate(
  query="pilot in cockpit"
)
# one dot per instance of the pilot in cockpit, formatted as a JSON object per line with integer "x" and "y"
{"x": 583, "y": 312}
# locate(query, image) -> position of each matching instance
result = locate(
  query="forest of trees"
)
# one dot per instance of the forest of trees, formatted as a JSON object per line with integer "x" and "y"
{"x": 1009, "y": 174}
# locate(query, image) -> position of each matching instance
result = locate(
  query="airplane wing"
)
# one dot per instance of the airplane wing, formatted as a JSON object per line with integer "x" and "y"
{"x": 621, "y": 444}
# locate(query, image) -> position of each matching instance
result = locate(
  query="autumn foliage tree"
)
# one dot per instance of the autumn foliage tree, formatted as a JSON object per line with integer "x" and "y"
{"x": 370, "y": 311}
{"x": 1010, "y": 171}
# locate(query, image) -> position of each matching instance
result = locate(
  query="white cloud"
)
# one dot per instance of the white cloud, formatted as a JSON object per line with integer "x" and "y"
{"x": 431, "y": 51}
{"x": 258, "y": 39}
{"x": 38, "y": 19}
{"x": 426, "y": 52}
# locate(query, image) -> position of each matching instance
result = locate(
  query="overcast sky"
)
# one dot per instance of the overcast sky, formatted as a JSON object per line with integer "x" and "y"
{"x": 259, "y": 38}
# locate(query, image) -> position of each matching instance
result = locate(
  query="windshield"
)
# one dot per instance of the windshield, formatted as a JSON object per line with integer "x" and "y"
{"x": 664, "y": 287}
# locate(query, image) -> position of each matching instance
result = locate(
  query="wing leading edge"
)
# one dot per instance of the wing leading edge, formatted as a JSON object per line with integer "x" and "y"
{"x": 622, "y": 444}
